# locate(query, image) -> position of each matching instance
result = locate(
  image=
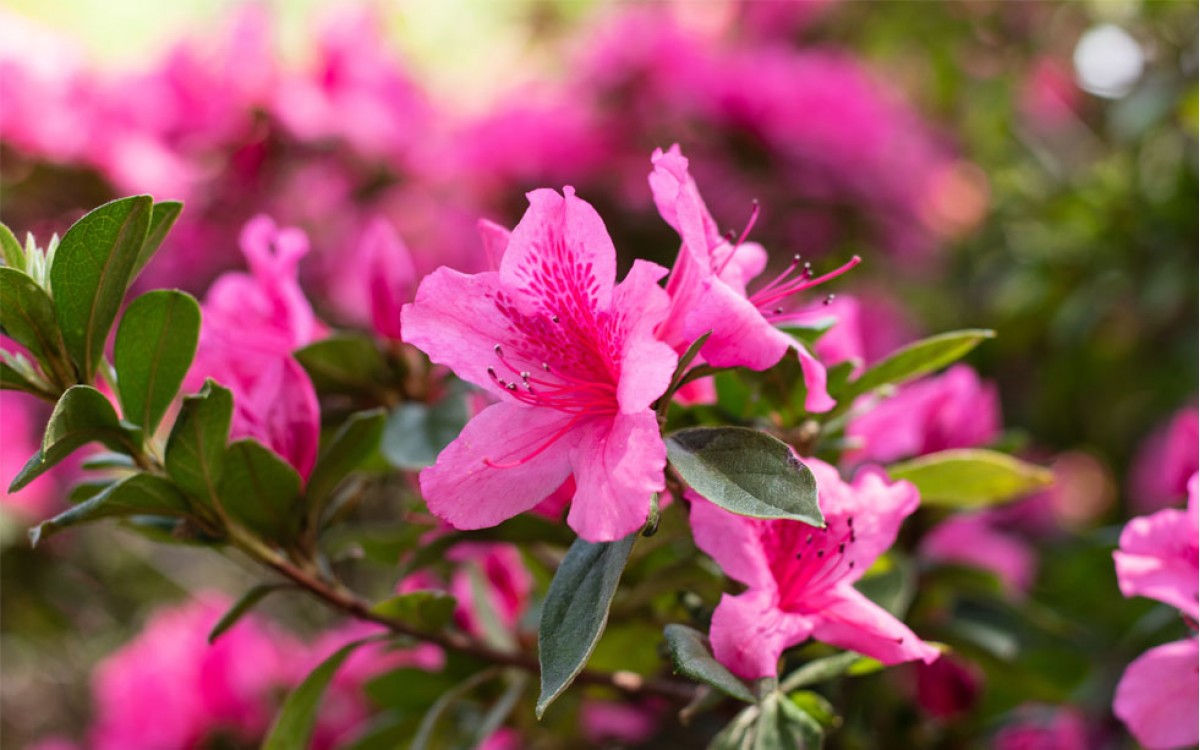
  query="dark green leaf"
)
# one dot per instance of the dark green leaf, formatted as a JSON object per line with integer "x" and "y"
{"x": 802, "y": 729}
{"x": 104, "y": 460}
{"x": 294, "y": 725}
{"x": 83, "y": 415}
{"x": 576, "y": 611}
{"x": 195, "y": 455}
{"x": 746, "y": 472}
{"x": 344, "y": 363}
{"x": 162, "y": 218}
{"x": 685, "y": 361}
{"x": 417, "y": 433}
{"x": 87, "y": 490}
{"x": 692, "y": 658}
{"x": 155, "y": 344}
{"x": 739, "y": 733}
{"x": 138, "y": 494}
{"x": 92, "y": 269}
{"x": 779, "y": 728}
{"x": 891, "y": 583}
{"x": 243, "y": 605}
{"x": 261, "y": 490}
{"x": 424, "y": 732}
{"x": 23, "y": 379}
{"x": 27, "y": 316}
{"x": 501, "y": 709}
{"x": 919, "y": 358}
{"x": 426, "y": 610}
{"x": 971, "y": 478}
{"x": 353, "y": 443}
{"x": 10, "y": 249}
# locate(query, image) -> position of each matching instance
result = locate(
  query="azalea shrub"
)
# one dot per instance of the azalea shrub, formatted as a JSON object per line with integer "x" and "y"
{"x": 419, "y": 428}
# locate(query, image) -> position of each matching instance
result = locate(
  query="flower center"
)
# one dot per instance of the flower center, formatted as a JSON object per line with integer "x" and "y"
{"x": 810, "y": 560}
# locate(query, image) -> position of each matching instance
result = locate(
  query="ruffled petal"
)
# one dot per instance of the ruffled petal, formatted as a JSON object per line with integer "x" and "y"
{"x": 749, "y": 634}
{"x": 618, "y": 466}
{"x": 732, "y": 540}
{"x": 646, "y": 362}
{"x": 1158, "y": 559}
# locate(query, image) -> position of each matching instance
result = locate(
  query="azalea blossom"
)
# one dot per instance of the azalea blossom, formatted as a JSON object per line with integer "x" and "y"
{"x": 1158, "y": 697}
{"x": 1043, "y": 728}
{"x": 1165, "y": 461}
{"x": 574, "y": 362}
{"x": 252, "y": 323}
{"x": 801, "y": 579}
{"x": 977, "y": 539}
{"x": 708, "y": 286}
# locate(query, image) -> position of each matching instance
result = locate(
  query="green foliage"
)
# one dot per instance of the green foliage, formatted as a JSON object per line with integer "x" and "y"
{"x": 10, "y": 249}
{"x": 355, "y": 441}
{"x": 746, "y": 472}
{"x": 139, "y": 494}
{"x": 576, "y": 611}
{"x": 416, "y": 433}
{"x": 91, "y": 272}
{"x": 155, "y": 344}
{"x": 261, "y": 490}
{"x": 242, "y": 606}
{"x": 27, "y": 316}
{"x": 294, "y": 725}
{"x": 425, "y": 610}
{"x": 83, "y": 415}
{"x": 968, "y": 478}
{"x": 344, "y": 363}
{"x": 195, "y": 457}
{"x": 916, "y": 359}
{"x": 692, "y": 658}
{"x": 162, "y": 217}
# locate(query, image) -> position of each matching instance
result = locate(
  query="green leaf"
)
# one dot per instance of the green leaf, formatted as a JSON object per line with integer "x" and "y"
{"x": 344, "y": 363}
{"x": 426, "y": 610}
{"x": 261, "y": 490}
{"x": 424, "y": 733}
{"x": 692, "y": 658}
{"x": 195, "y": 456}
{"x": 27, "y": 316}
{"x": 501, "y": 709}
{"x": 681, "y": 367}
{"x": 416, "y": 433}
{"x": 10, "y": 249}
{"x": 83, "y": 415}
{"x": 820, "y": 670}
{"x": 801, "y": 728}
{"x": 739, "y": 733}
{"x": 162, "y": 218}
{"x": 353, "y": 443}
{"x": 136, "y": 495}
{"x": 917, "y": 359}
{"x": 155, "y": 344}
{"x": 16, "y": 374}
{"x": 746, "y": 472}
{"x": 243, "y": 605}
{"x": 576, "y": 611}
{"x": 294, "y": 725}
{"x": 783, "y": 726}
{"x": 91, "y": 271}
{"x": 971, "y": 478}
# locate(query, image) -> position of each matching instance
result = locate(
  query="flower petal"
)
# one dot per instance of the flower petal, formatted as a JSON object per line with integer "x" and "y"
{"x": 749, "y": 634}
{"x": 877, "y": 505}
{"x": 1158, "y": 559}
{"x": 468, "y": 490}
{"x": 646, "y": 362}
{"x": 732, "y": 540}
{"x": 852, "y": 621}
{"x": 817, "y": 398}
{"x": 618, "y": 466}
{"x": 1159, "y": 694}
{"x": 680, "y": 205}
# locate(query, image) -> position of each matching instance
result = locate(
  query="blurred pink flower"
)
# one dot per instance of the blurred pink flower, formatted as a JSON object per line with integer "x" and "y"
{"x": 1165, "y": 461}
{"x": 507, "y": 585}
{"x": 708, "y": 287}
{"x": 624, "y": 723}
{"x": 572, "y": 357}
{"x": 952, "y": 410}
{"x": 1048, "y": 96}
{"x": 24, "y": 419}
{"x": 1158, "y": 697}
{"x": 976, "y": 539}
{"x": 867, "y": 326}
{"x": 197, "y": 690}
{"x": 1042, "y": 728}
{"x": 377, "y": 278}
{"x": 801, "y": 579}
{"x": 949, "y": 687}
{"x": 252, "y": 323}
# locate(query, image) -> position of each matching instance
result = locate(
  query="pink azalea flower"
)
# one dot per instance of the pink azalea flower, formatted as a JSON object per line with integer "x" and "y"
{"x": 378, "y": 279}
{"x": 572, "y": 357}
{"x": 868, "y": 326}
{"x": 197, "y": 690}
{"x": 952, "y": 410}
{"x": 708, "y": 287}
{"x": 252, "y": 323}
{"x": 976, "y": 539}
{"x": 1038, "y": 728}
{"x": 23, "y": 421}
{"x": 1165, "y": 462}
{"x": 607, "y": 722}
{"x": 508, "y": 585}
{"x": 1158, "y": 697}
{"x": 948, "y": 687}
{"x": 801, "y": 579}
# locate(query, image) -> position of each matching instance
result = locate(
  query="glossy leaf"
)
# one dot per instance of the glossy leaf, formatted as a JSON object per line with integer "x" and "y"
{"x": 692, "y": 658}
{"x": 195, "y": 456}
{"x": 261, "y": 490}
{"x": 82, "y": 415}
{"x": 294, "y": 725}
{"x": 576, "y": 611}
{"x": 162, "y": 218}
{"x": 27, "y": 316}
{"x": 243, "y": 605}
{"x": 745, "y": 472}
{"x": 353, "y": 443}
{"x": 140, "y": 494}
{"x": 417, "y": 433}
{"x": 919, "y": 358}
{"x": 10, "y": 249}
{"x": 344, "y": 363}
{"x": 425, "y": 610}
{"x": 91, "y": 272}
{"x": 155, "y": 344}
{"x": 971, "y": 478}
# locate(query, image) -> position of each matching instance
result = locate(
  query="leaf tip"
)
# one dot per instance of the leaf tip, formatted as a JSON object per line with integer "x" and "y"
{"x": 35, "y": 535}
